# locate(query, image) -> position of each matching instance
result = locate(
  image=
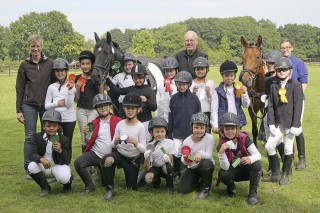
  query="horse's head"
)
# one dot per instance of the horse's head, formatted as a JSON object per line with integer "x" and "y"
{"x": 106, "y": 52}
{"x": 252, "y": 60}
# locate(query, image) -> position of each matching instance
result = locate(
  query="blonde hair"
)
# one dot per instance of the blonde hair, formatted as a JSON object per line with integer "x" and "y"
{"x": 221, "y": 131}
{"x": 35, "y": 38}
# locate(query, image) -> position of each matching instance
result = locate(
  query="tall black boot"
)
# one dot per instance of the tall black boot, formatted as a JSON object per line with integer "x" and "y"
{"x": 275, "y": 169}
{"x": 108, "y": 173}
{"x": 176, "y": 168}
{"x": 231, "y": 188}
{"x": 286, "y": 169}
{"x": 67, "y": 186}
{"x": 301, "y": 152}
{"x": 141, "y": 178}
{"x": 206, "y": 178}
{"x": 280, "y": 149}
{"x": 41, "y": 180}
{"x": 109, "y": 194}
{"x": 86, "y": 178}
{"x": 254, "y": 184}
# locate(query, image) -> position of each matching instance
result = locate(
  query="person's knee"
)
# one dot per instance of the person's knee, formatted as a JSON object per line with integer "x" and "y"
{"x": 149, "y": 177}
{"x": 206, "y": 164}
{"x": 63, "y": 178}
{"x": 33, "y": 168}
{"x": 167, "y": 169}
{"x": 270, "y": 148}
{"x": 256, "y": 166}
{"x": 224, "y": 176}
{"x": 109, "y": 161}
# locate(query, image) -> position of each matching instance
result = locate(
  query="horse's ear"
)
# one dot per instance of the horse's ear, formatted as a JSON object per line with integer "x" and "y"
{"x": 244, "y": 41}
{"x": 259, "y": 41}
{"x": 96, "y": 37}
{"x": 109, "y": 38}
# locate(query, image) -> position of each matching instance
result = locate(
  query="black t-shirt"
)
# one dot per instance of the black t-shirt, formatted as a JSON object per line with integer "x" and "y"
{"x": 86, "y": 97}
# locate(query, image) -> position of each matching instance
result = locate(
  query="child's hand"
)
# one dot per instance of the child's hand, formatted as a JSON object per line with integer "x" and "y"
{"x": 195, "y": 89}
{"x": 56, "y": 146}
{"x": 198, "y": 157}
{"x": 223, "y": 148}
{"x": 86, "y": 129}
{"x": 132, "y": 141}
{"x": 143, "y": 98}
{"x": 208, "y": 92}
{"x": 215, "y": 130}
{"x": 70, "y": 84}
{"x": 62, "y": 103}
{"x": 46, "y": 164}
{"x": 245, "y": 161}
{"x": 116, "y": 140}
{"x": 243, "y": 89}
{"x": 78, "y": 85}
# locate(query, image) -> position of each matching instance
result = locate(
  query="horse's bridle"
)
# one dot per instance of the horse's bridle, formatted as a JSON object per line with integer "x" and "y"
{"x": 105, "y": 68}
{"x": 251, "y": 72}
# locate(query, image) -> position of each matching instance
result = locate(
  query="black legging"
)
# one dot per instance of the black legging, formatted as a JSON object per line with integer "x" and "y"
{"x": 68, "y": 129}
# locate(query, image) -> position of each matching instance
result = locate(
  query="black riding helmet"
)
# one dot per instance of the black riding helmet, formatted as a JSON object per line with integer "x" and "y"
{"x": 200, "y": 62}
{"x": 51, "y": 115}
{"x": 129, "y": 57}
{"x": 132, "y": 99}
{"x": 228, "y": 66}
{"x": 60, "y": 64}
{"x": 183, "y": 76}
{"x": 283, "y": 63}
{"x": 86, "y": 54}
{"x": 170, "y": 63}
{"x": 139, "y": 69}
{"x": 157, "y": 122}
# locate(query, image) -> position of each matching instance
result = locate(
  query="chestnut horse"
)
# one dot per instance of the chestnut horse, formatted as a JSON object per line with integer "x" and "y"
{"x": 252, "y": 76}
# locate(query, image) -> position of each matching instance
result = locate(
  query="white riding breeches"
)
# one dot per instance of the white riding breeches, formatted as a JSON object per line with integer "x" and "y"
{"x": 273, "y": 141}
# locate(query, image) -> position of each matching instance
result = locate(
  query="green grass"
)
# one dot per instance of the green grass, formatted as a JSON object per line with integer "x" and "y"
{"x": 19, "y": 195}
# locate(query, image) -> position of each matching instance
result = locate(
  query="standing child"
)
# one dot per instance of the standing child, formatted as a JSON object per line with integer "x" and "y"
{"x": 158, "y": 159}
{"x": 200, "y": 167}
{"x": 182, "y": 105}
{"x": 170, "y": 68}
{"x": 85, "y": 93}
{"x": 284, "y": 113}
{"x": 238, "y": 156}
{"x": 202, "y": 87}
{"x": 124, "y": 79}
{"x": 227, "y": 100}
{"x": 100, "y": 142}
{"x": 50, "y": 155}
{"x": 129, "y": 141}
{"x": 60, "y": 96}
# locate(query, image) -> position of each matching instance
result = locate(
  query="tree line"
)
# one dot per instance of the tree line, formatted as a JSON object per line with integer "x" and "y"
{"x": 218, "y": 37}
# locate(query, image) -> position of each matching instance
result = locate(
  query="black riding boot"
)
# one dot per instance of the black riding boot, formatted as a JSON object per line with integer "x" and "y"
{"x": 176, "y": 168}
{"x": 141, "y": 178}
{"x": 109, "y": 194}
{"x": 206, "y": 178}
{"x": 67, "y": 186}
{"x": 231, "y": 188}
{"x": 254, "y": 183}
{"x": 286, "y": 169}
{"x": 86, "y": 178}
{"x": 41, "y": 180}
{"x": 301, "y": 152}
{"x": 275, "y": 169}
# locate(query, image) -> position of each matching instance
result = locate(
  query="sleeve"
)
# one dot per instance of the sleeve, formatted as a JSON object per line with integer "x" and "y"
{"x": 214, "y": 111}
{"x": 198, "y": 104}
{"x": 34, "y": 150}
{"x": 270, "y": 115}
{"x": 207, "y": 154}
{"x": 20, "y": 88}
{"x": 245, "y": 100}
{"x": 160, "y": 109}
{"x": 171, "y": 149}
{"x": 302, "y": 73}
{"x": 116, "y": 134}
{"x": 170, "y": 121}
{"x": 223, "y": 160}
{"x": 48, "y": 104}
{"x": 151, "y": 102}
{"x": 254, "y": 153}
{"x": 141, "y": 147}
{"x": 70, "y": 98}
{"x": 297, "y": 104}
{"x": 114, "y": 88}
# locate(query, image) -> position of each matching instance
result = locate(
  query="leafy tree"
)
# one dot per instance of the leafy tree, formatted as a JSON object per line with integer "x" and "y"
{"x": 142, "y": 44}
{"x": 5, "y": 41}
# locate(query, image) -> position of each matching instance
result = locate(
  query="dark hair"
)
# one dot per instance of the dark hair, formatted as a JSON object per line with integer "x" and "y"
{"x": 283, "y": 40}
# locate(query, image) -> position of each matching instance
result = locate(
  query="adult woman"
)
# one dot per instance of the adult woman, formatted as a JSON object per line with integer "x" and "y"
{"x": 33, "y": 78}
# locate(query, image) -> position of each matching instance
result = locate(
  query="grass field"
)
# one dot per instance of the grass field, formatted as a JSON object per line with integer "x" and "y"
{"x": 19, "y": 195}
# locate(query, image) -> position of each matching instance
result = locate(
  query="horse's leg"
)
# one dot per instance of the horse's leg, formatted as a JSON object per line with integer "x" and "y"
{"x": 252, "y": 113}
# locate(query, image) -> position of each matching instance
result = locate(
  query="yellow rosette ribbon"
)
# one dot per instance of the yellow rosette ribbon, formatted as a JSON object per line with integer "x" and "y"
{"x": 238, "y": 85}
{"x": 282, "y": 93}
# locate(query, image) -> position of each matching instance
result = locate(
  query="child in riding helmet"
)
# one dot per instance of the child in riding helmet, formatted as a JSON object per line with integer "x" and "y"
{"x": 199, "y": 160}
{"x": 129, "y": 141}
{"x": 159, "y": 156}
{"x": 284, "y": 113}
{"x": 61, "y": 97}
{"x": 238, "y": 156}
{"x": 202, "y": 87}
{"x": 124, "y": 79}
{"x": 182, "y": 106}
{"x": 147, "y": 95}
{"x": 227, "y": 100}
{"x": 170, "y": 68}
{"x": 85, "y": 93}
{"x": 100, "y": 142}
{"x": 50, "y": 154}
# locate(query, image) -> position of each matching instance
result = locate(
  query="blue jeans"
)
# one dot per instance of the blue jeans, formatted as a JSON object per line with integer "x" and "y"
{"x": 30, "y": 114}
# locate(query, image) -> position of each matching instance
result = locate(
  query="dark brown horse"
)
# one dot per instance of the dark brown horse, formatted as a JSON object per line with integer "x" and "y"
{"x": 252, "y": 76}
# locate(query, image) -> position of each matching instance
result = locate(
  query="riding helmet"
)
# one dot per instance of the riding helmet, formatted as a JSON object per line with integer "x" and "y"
{"x": 170, "y": 63}
{"x": 228, "y": 66}
{"x": 101, "y": 99}
{"x": 283, "y": 63}
{"x": 60, "y": 64}
{"x": 157, "y": 122}
{"x": 229, "y": 119}
{"x": 200, "y": 62}
{"x": 273, "y": 56}
{"x": 86, "y": 54}
{"x": 183, "y": 76}
{"x": 199, "y": 118}
{"x": 129, "y": 57}
{"x": 139, "y": 69}
{"x": 132, "y": 99}
{"x": 51, "y": 115}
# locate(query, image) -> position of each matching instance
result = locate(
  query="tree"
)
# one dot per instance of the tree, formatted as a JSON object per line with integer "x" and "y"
{"x": 142, "y": 44}
{"x": 5, "y": 41}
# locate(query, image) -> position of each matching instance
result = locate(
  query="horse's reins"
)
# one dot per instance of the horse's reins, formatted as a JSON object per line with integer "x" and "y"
{"x": 106, "y": 68}
{"x": 252, "y": 93}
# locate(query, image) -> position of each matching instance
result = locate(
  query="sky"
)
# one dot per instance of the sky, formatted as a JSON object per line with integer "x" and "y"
{"x": 89, "y": 16}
